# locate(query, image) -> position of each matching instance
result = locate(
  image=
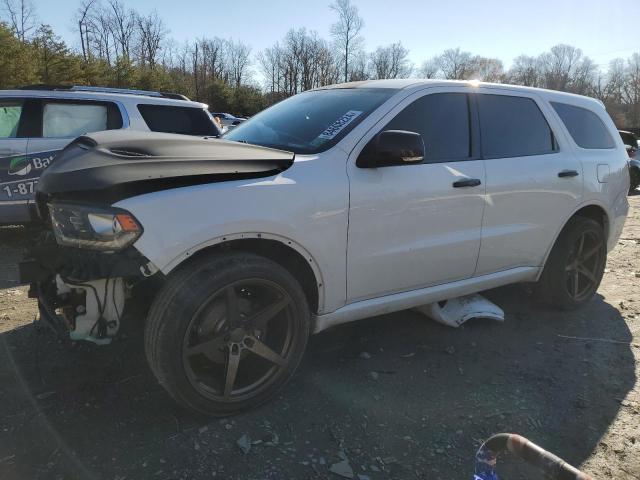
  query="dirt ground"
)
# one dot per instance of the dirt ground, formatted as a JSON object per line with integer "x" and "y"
{"x": 97, "y": 413}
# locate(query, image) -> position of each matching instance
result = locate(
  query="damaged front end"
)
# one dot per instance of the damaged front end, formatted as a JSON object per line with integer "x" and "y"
{"x": 83, "y": 266}
{"x": 82, "y": 293}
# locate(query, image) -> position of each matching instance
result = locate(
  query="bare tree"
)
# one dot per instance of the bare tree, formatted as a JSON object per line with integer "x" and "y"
{"x": 239, "y": 61}
{"x": 196, "y": 67}
{"x": 269, "y": 62}
{"x": 614, "y": 85}
{"x": 214, "y": 53}
{"x": 84, "y": 26}
{"x": 559, "y": 66}
{"x": 346, "y": 31}
{"x": 152, "y": 32}
{"x": 456, "y": 64}
{"x": 390, "y": 62}
{"x": 22, "y": 17}
{"x": 358, "y": 70}
{"x": 584, "y": 77}
{"x": 525, "y": 70}
{"x": 632, "y": 89}
{"x": 488, "y": 69}
{"x": 101, "y": 34}
{"x": 328, "y": 71}
{"x": 429, "y": 68}
{"x": 122, "y": 23}
{"x": 302, "y": 61}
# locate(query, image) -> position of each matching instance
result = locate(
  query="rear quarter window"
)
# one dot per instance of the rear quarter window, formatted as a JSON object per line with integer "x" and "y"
{"x": 585, "y": 127}
{"x": 175, "y": 119}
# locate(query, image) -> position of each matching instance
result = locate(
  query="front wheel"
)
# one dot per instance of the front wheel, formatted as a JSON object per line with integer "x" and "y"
{"x": 575, "y": 266}
{"x": 225, "y": 333}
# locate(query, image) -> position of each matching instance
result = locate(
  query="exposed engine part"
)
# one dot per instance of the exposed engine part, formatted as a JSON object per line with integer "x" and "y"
{"x": 97, "y": 319}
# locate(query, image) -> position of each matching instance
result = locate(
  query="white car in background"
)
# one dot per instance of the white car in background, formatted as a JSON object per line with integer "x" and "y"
{"x": 334, "y": 205}
{"x": 37, "y": 122}
{"x": 227, "y": 120}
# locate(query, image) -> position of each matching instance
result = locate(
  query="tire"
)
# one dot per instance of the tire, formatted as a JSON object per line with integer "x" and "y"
{"x": 557, "y": 284}
{"x": 199, "y": 340}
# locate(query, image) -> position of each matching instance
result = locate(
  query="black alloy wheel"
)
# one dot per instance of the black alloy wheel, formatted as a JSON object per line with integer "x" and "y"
{"x": 239, "y": 339}
{"x": 575, "y": 266}
{"x": 226, "y": 331}
{"x": 583, "y": 264}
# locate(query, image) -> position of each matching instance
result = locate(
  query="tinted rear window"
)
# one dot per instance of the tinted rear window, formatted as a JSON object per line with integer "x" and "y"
{"x": 513, "y": 127}
{"x": 585, "y": 127}
{"x": 184, "y": 120}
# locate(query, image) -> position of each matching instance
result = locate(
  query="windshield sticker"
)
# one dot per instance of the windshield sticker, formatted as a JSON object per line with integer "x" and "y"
{"x": 336, "y": 127}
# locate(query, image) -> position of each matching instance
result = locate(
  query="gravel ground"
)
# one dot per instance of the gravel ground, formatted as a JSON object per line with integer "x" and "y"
{"x": 90, "y": 412}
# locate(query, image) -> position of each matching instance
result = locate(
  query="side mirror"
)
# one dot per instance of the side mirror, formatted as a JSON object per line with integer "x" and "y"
{"x": 392, "y": 148}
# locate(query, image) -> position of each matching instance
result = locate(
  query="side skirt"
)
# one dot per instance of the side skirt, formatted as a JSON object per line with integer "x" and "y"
{"x": 413, "y": 298}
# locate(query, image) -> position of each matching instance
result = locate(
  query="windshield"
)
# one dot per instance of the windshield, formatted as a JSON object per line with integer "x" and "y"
{"x": 311, "y": 122}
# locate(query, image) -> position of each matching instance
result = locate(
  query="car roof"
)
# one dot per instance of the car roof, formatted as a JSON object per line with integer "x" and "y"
{"x": 99, "y": 95}
{"x": 418, "y": 83}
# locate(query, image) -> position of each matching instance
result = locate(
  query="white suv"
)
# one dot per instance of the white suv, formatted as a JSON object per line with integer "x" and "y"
{"x": 335, "y": 205}
{"x": 37, "y": 122}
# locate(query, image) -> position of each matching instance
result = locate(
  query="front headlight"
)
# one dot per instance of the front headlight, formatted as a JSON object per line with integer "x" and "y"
{"x": 96, "y": 228}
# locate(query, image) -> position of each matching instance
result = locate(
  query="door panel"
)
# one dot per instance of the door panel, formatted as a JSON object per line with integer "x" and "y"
{"x": 526, "y": 204}
{"x": 409, "y": 227}
{"x": 527, "y": 201}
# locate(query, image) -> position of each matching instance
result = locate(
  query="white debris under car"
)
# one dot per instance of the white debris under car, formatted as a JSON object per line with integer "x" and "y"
{"x": 456, "y": 311}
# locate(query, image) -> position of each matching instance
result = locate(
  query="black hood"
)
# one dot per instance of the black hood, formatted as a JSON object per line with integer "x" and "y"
{"x": 117, "y": 164}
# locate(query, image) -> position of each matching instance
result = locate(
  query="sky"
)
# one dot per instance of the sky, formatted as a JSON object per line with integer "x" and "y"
{"x": 603, "y": 29}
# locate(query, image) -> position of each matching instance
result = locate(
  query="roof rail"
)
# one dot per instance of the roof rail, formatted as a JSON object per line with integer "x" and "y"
{"x": 122, "y": 91}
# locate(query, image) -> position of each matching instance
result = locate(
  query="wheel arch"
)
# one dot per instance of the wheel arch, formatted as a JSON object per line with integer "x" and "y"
{"x": 591, "y": 210}
{"x": 284, "y": 251}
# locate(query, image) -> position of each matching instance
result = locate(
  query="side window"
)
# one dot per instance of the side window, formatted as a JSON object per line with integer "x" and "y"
{"x": 10, "y": 111}
{"x": 585, "y": 127}
{"x": 513, "y": 127}
{"x": 184, "y": 120}
{"x": 70, "y": 119}
{"x": 443, "y": 121}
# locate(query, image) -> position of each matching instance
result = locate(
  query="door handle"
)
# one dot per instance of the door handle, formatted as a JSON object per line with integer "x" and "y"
{"x": 467, "y": 182}
{"x": 568, "y": 173}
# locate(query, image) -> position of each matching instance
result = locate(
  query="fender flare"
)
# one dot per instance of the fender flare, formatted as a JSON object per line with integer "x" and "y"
{"x": 287, "y": 242}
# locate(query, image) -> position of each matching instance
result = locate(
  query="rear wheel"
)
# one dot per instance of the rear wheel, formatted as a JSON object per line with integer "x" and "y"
{"x": 575, "y": 266}
{"x": 224, "y": 335}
